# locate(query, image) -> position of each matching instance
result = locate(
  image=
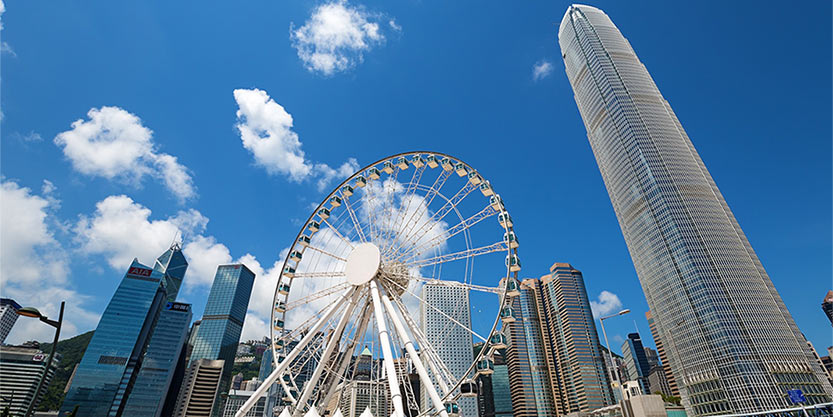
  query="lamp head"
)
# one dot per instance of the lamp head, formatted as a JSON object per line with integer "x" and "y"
{"x": 29, "y": 312}
{"x": 625, "y": 311}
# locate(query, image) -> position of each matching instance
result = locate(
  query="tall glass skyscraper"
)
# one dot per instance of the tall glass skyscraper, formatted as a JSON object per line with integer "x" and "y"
{"x": 452, "y": 342}
{"x": 172, "y": 263}
{"x": 107, "y": 371}
{"x": 637, "y": 362}
{"x": 222, "y": 320}
{"x": 732, "y": 345}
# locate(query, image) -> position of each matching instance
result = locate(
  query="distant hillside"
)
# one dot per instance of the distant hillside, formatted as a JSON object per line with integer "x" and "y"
{"x": 71, "y": 351}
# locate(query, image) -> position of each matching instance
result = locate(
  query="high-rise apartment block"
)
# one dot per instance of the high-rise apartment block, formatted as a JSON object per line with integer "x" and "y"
{"x": 452, "y": 342}
{"x": 200, "y": 388}
{"x": 8, "y": 316}
{"x": 222, "y": 320}
{"x": 636, "y": 361}
{"x": 731, "y": 343}
{"x": 21, "y": 368}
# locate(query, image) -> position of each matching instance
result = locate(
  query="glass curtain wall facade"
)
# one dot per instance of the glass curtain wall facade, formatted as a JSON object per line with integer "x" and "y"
{"x": 222, "y": 320}
{"x": 108, "y": 368}
{"x": 582, "y": 383}
{"x": 527, "y": 358}
{"x": 636, "y": 361}
{"x": 663, "y": 357}
{"x": 732, "y": 345}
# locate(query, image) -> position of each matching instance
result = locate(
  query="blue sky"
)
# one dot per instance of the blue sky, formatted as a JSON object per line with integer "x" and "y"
{"x": 751, "y": 86}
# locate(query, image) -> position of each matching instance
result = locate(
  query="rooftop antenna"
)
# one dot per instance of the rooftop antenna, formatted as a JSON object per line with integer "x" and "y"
{"x": 174, "y": 241}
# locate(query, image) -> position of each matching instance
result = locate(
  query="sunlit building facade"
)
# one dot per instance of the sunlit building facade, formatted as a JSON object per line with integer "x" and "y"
{"x": 732, "y": 345}
{"x": 8, "y": 316}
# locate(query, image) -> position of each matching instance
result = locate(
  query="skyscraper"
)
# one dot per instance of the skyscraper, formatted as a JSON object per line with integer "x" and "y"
{"x": 582, "y": 378}
{"x": 452, "y": 342}
{"x": 108, "y": 369}
{"x": 222, "y": 320}
{"x": 528, "y": 356}
{"x": 173, "y": 265}
{"x": 8, "y": 316}
{"x": 663, "y": 358}
{"x": 732, "y": 345}
{"x": 827, "y": 306}
{"x": 637, "y": 361}
{"x": 200, "y": 387}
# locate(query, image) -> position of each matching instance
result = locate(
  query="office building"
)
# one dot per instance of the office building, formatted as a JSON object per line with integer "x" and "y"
{"x": 8, "y": 316}
{"x": 200, "y": 388}
{"x": 653, "y": 357}
{"x": 357, "y": 395}
{"x": 657, "y": 381}
{"x": 159, "y": 364}
{"x": 827, "y": 306}
{"x": 528, "y": 356}
{"x": 20, "y": 370}
{"x": 222, "y": 320}
{"x": 636, "y": 361}
{"x": 172, "y": 265}
{"x": 582, "y": 383}
{"x": 236, "y": 399}
{"x": 452, "y": 342}
{"x": 108, "y": 369}
{"x": 501, "y": 392}
{"x": 663, "y": 358}
{"x": 731, "y": 343}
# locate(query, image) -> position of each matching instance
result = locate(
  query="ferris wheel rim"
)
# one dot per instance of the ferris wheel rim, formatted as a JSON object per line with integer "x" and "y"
{"x": 503, "y": 298}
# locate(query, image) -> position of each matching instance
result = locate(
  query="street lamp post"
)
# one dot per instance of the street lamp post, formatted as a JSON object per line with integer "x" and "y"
{"x": 33, "y": 312}
{"x": 615, "y": 370}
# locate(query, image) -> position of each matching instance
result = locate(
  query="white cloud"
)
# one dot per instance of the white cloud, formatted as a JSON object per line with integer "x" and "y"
{"x": 542, "y": 69}
{"x": 34, "y": 265}
{"x": 336, "y": 36}
{"x": 114, "y": 144}
{"x": 265, "y": 128}
{"x": 204, "y": 254}
{"x": 121, "y": 230}
{"x": 606, "y": 303}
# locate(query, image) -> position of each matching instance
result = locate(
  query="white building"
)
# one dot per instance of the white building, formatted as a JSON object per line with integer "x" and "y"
{"x": 452, "y": 342}
{"x": 8, "y": 316}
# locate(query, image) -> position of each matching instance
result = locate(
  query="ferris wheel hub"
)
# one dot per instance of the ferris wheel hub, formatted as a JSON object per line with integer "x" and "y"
{"x": 363, "y": 263}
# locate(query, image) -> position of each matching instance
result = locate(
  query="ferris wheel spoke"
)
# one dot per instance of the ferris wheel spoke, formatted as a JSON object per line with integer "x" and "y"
{"x": 347, "y": 241}
{"x": 389, "y": 204}
{"x": 325, "y": 274}
{"x": 322, "y": 251}
{"x": 432, "y": 192}
{"x": 452, "y": 231}
{"x": 438, "y": 216}
{"x": 317, "y": 295}
{"x": 355, "y": 219}
{"x": 364, "y": 318}
{"x": 466, "y": 254}
{"x": 410, "y": 191}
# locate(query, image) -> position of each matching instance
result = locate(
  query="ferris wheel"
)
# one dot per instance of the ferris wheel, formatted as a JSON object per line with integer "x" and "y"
{"x": 393, "y": 277}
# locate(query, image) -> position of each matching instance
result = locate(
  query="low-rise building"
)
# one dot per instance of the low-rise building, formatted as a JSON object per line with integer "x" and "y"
{"x": 21, "y": 368}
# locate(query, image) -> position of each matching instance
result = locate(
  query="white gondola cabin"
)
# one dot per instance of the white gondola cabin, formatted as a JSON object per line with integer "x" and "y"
{"x": 335, "y": 201}
{"x": 513, "y": 288}
{"x": 486, "y": 189}
{"x": 510, "y": 239}
{"x": 289, "y": 272}
{"x": 278, "y": 324}
{"x": 475, "y": 178}
{"x": 513, "y": 262}
{"x": 431, "y": 161}
{"x": 283, "y": 289}
{"x": 461, "y": 169}
{"x": 447, "y": 165}
{"x": 485, "y": 366}
{"x": 387, "y": 167}
{"x": 347, "y": 191}
{"x": 314, "y": 226}
{"x": 402, "y": 163}
{"x": 324, "y": 213}
{"x": 417, "y": 161}
{"x": 280, "y": 306}
{"x": 295, "y": 255}
{"x": 507, "y": 315}
{"x": 496, "y": 202}
{"x": 452, "y": 409}
{"x": 498, "y": 341}
{"x": 303, "y": 240}
{"x": 373, "y": 174}
{"x": 504, "y": 219}
{"x": 468, "y": 388}
{"x": 361, "y": 181}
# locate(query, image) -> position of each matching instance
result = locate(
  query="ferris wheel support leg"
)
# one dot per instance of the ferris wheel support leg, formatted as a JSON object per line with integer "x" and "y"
{"x": 331, "y": 344}
{"x": 290, "y": 357}
{"x": 384, "y": 340}
{"x": 409, "y": 346}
